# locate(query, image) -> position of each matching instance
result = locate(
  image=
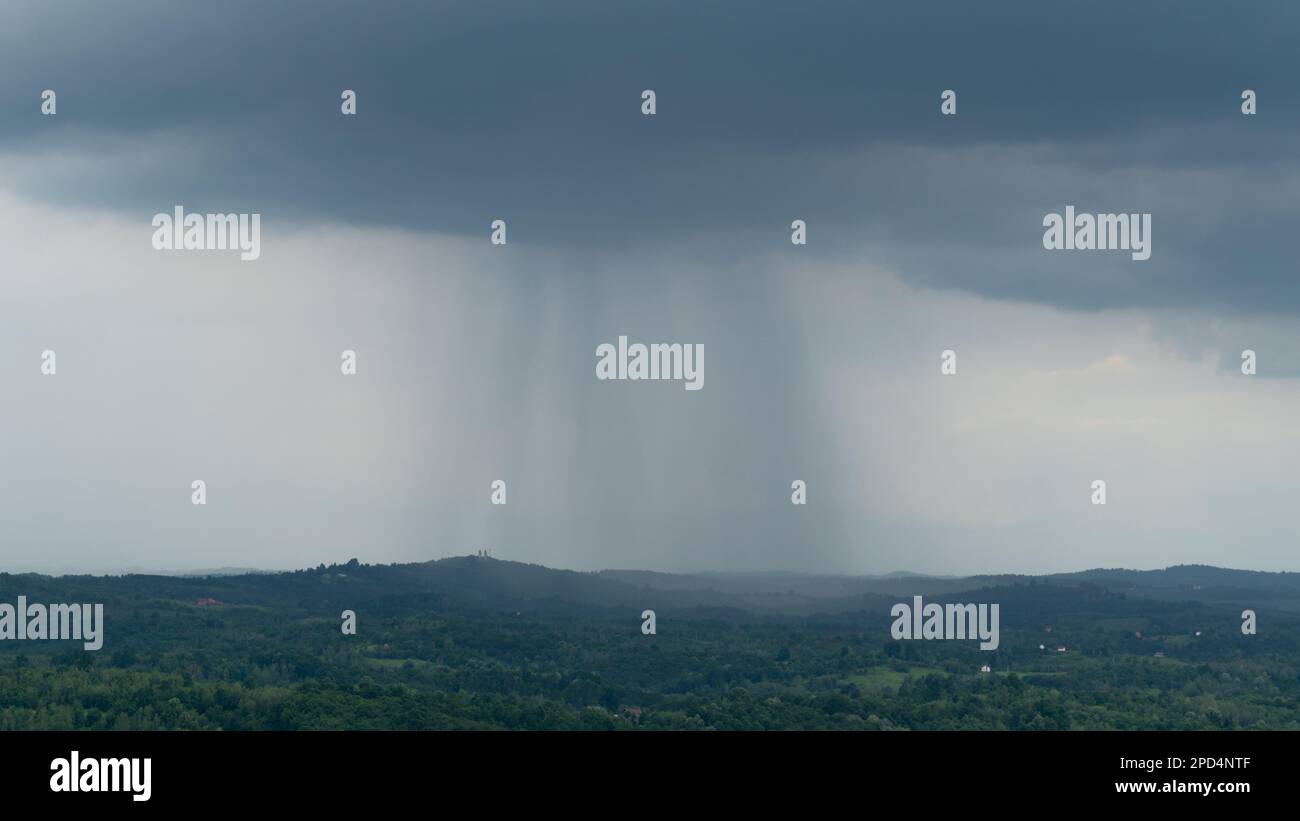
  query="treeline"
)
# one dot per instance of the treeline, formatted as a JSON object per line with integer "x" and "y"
{"x": 271, "y": 656}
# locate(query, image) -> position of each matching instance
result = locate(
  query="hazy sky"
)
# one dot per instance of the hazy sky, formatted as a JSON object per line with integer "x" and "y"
{"x": 477, "y": 362}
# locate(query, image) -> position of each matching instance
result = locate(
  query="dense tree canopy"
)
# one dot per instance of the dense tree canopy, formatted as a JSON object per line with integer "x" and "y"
{"x": 429, "y": 655}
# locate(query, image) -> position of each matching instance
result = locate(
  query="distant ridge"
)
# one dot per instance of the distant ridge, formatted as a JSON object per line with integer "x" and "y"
{"x": 481, "y": 576}
{"x": 142, "y": 571}
{"x": 479, "y": 582}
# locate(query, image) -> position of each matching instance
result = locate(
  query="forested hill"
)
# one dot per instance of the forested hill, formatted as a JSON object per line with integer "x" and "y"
{"x": 485, "y": 583}
{"x": 479, "y": 643}
{"x": 1191, "y": 576}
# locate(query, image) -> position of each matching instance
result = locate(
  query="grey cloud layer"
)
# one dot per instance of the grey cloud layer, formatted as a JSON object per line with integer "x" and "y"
{"x": 828, "y": 112}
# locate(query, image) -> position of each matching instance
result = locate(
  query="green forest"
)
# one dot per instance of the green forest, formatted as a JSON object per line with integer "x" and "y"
{"x": 477, "y": 643}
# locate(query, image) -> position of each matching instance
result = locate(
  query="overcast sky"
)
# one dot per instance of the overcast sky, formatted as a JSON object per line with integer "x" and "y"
{"x": 477, "y": 362}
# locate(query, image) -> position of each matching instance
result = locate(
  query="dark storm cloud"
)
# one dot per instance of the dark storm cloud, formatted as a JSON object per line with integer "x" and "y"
{"x": 767, "y": 111}
{"x": 478, "y": 360}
